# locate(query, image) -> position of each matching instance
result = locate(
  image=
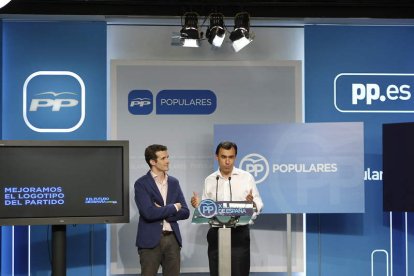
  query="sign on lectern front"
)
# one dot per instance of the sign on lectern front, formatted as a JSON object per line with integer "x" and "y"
{"x": 229, "y": 213}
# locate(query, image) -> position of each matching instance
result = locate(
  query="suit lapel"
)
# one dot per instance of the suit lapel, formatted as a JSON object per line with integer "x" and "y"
{"x": 169, "y": 192}
{"x": 155, "y": 189}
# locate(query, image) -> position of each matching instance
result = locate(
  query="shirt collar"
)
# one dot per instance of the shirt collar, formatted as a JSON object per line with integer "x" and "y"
{"x": 155, "y": 175}
{"x": 235, "y": 171}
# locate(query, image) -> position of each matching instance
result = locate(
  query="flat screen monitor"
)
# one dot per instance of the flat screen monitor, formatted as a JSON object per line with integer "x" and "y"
{"x": 64, "y": 182}
{"x": 397, "y": 165}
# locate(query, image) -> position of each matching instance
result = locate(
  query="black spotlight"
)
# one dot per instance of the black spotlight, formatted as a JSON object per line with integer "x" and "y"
{"x": 216, "y": 33}
{"x": 190, "y": 34}
{"x": 241, "y": 35}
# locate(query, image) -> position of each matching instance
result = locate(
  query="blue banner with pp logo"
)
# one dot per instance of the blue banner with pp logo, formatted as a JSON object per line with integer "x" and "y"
{"x": 209, "y": 208}
{"x": 56, "y": 88}
{"x": 202, "y": 102}
{"x": 364, "y": 74}
{"x": 172, "y": 102}
{"x": 302, "y": 168}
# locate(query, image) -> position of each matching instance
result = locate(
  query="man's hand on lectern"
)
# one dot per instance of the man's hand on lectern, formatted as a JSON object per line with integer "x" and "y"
{"x": 195, "y": 200}
{"x": 249, "y": 198}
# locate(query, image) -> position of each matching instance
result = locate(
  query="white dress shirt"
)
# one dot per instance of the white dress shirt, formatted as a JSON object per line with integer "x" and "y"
{"x": 163, "y": 188}
{"x": 241, "y": 182}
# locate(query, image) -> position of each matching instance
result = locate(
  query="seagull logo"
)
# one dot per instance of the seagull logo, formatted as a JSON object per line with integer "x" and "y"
{"x": 56, "y": 93}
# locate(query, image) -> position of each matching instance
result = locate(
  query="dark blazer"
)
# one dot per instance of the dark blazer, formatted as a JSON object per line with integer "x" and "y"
{"x": 151, "y": 217}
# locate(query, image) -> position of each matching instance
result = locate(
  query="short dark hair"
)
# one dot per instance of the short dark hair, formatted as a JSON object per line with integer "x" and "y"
{"x": 226, "y": 145}
{"x": 151, "y": 152}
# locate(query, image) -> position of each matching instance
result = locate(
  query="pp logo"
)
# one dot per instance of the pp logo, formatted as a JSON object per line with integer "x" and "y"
{"x": 207, "y": 208}
{"x": 140, "y": 102}
{"x": 54, "y": 101}
{"x": 257, "y": 165}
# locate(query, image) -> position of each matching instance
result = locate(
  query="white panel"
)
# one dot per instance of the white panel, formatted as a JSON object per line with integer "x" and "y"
{"x": 244, "y": 96}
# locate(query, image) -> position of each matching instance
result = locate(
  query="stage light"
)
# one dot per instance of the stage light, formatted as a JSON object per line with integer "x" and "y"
{"x": 241, "y": 35}
{"x": 4, "y": 3}
{"x": 190, "y": 34}
{"x": 216, "y": 32}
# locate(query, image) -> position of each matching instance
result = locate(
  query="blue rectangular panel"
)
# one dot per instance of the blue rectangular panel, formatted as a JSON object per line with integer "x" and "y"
{"x": 364, "y": 74}
{"x": 53, "y": 88}
{"x": 302, "y": 168}
{"x": 54, "y": 80}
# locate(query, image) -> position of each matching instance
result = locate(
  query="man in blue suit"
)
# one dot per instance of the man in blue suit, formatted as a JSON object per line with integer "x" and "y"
{"x": 161, "y": 204}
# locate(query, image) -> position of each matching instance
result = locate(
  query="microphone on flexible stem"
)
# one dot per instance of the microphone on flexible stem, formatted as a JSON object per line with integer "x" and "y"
{"x": 217, "y": 179}
{"x": 231, "y": 196}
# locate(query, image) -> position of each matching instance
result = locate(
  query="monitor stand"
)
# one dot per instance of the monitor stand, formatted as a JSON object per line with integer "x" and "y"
{"x": 58, "y": 250}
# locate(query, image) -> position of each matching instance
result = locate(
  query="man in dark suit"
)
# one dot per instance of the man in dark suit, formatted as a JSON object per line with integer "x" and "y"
{"x": 161, "y": 204}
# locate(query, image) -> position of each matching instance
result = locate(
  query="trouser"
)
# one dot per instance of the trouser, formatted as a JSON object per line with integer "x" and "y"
{"x": 240, "y": 250}
{"x": 166, "y": 254}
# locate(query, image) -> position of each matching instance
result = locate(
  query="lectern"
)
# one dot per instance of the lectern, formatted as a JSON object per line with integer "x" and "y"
{"x": 225, "y": 215}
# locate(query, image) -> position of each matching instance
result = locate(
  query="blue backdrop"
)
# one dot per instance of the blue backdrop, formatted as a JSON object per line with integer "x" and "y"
{"x": 48, "y": 66}
{"x": 54, "y": 88}
{"x": 302, "y": 168}
{"x": 359, "y": 73}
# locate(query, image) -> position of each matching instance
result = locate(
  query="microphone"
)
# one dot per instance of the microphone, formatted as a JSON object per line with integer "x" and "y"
{"x": 217, "y": 179}
{"x": 231, "y": 196}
